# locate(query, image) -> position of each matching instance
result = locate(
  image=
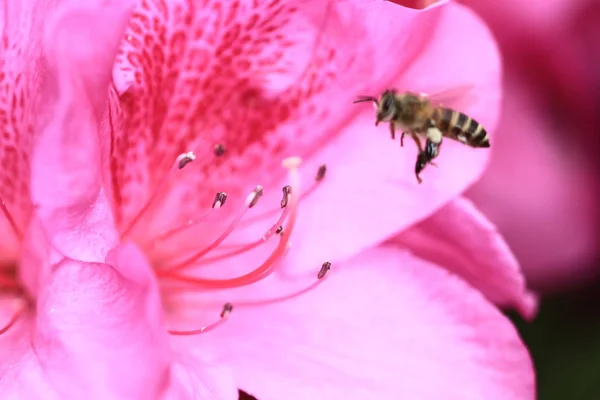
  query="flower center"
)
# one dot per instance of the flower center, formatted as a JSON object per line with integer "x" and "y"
{"x": 183, "y": 272}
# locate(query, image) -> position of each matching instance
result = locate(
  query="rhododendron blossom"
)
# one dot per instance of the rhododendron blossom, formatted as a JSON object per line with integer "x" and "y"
{"x": 230, "y": 174}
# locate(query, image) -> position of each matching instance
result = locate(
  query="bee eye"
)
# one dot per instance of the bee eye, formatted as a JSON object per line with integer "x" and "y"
{"x": 387, "y": 104}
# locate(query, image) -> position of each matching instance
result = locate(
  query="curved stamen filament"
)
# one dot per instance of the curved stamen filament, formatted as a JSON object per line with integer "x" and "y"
{"x": 267, "y": 267}
{"x": 321, "y": 277}
{"x": 11, "y": 220}
{"x": 275, "y": 229}
{"x": 227, "y": 308}
{"x": 180, "y": 163}
{"x": 249, "y": 203}
{"x": 220, "y": 199}
{"x": 321, "y": 172}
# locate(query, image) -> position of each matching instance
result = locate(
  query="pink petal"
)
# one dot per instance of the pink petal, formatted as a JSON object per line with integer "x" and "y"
{"x": 99, "y": 334}
{"x": 386, "y": 325}
{"x": 370, "y": 191}
{"x": 460, "y": 238}
{"x": 240, "y": 83}
{"x": 542, "y": 194}
{"x": 81, "y": 45}
{"x": 20, "y": 26}
{"x": 377, "y": 44}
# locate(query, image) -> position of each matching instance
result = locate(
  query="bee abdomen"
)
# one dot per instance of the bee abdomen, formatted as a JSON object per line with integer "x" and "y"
{"x": 461, "y": 127}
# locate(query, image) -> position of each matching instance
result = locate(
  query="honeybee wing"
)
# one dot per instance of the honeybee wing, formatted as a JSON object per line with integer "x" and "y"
{"x": 458, "y": 97}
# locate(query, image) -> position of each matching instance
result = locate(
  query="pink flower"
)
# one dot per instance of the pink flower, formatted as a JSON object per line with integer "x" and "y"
{"x": 65, "y": 334}
{"x": 541, "y": 187}
{"x": 246, "y": 86}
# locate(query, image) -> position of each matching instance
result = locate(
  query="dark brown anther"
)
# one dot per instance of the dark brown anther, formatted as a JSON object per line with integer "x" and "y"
{"x": 186, "y": 159}
{"x": 324, "y": 270}
{"x": 220, "y": 199}
{"x": 227, "y": 309}
{"x": 219, "y": 150}
{"x": 286, "y": 195}
{"x": 279, "y": 230}
{"x": 258, "y": 192}
{"x": 321, "y": 173}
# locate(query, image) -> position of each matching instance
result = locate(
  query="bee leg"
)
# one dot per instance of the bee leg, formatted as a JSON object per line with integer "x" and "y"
{"x": 393, "y": 131}
{"x": 402, "y": 139}
{"x": 422, "y": 160}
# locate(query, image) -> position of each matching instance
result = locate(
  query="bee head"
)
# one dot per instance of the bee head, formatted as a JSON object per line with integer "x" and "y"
{"x": 385, "y": 106}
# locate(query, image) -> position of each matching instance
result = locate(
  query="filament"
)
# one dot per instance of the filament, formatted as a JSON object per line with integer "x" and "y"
{"x": 321, "y": 277}
{"x": 227, "y": 308}
{"x": 250, "y": 202}
{"x": 321, "y": 172}
{"x": 181, "y": 161}
{"x": 219, "y": 201}
{"x": 275, "y": 229}
{"x": 267, "y": 267}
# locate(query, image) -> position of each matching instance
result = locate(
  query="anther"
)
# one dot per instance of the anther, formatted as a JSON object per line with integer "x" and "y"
{"x": 220, "y": 199}
{"x": 279, "y": 230}
{"x": 286, "y": 195}
{"x": 219, "y": 150}
{"x": 227, "y": 309}
{"x": 321, "y": 173}
{"x": 324, "y": 270}
{"x": 256, "y": 194}
{"x": 185, "y": 159}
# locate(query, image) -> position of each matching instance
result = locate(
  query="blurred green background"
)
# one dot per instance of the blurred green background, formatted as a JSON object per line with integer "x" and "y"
{"x": 564, "y": 342}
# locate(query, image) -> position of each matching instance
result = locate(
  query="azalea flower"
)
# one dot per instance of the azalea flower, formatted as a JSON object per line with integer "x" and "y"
{"x": 548, "y": 133}
{"x": 184, "y": 193}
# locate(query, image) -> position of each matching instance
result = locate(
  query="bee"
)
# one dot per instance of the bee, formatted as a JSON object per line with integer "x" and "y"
{"x": 417, "y": 116}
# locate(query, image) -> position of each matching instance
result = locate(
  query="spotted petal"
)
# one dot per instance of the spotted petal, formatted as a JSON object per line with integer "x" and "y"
{"x": 269, "y": 80}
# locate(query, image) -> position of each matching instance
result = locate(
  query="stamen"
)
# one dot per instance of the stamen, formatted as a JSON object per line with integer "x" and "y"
{"x": 321, "y": 277}
{"x": 227, "y": 309}
{"x": 218, "y": 202}
{"x": 258, "y": 192}
{"x": 250, "y": 202}
{"x": 286, "y": 194}
{"x": 11, "y": 220}
{"x": 180, "y": 163}
{"x": 276, "y": 228}
{"x": 321, "y": 172}
{"x": 185, "y": 159}
{"x": 220, "y": 199}
{"x": 267, "y": 267}
{"x": 219, "y": 150}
